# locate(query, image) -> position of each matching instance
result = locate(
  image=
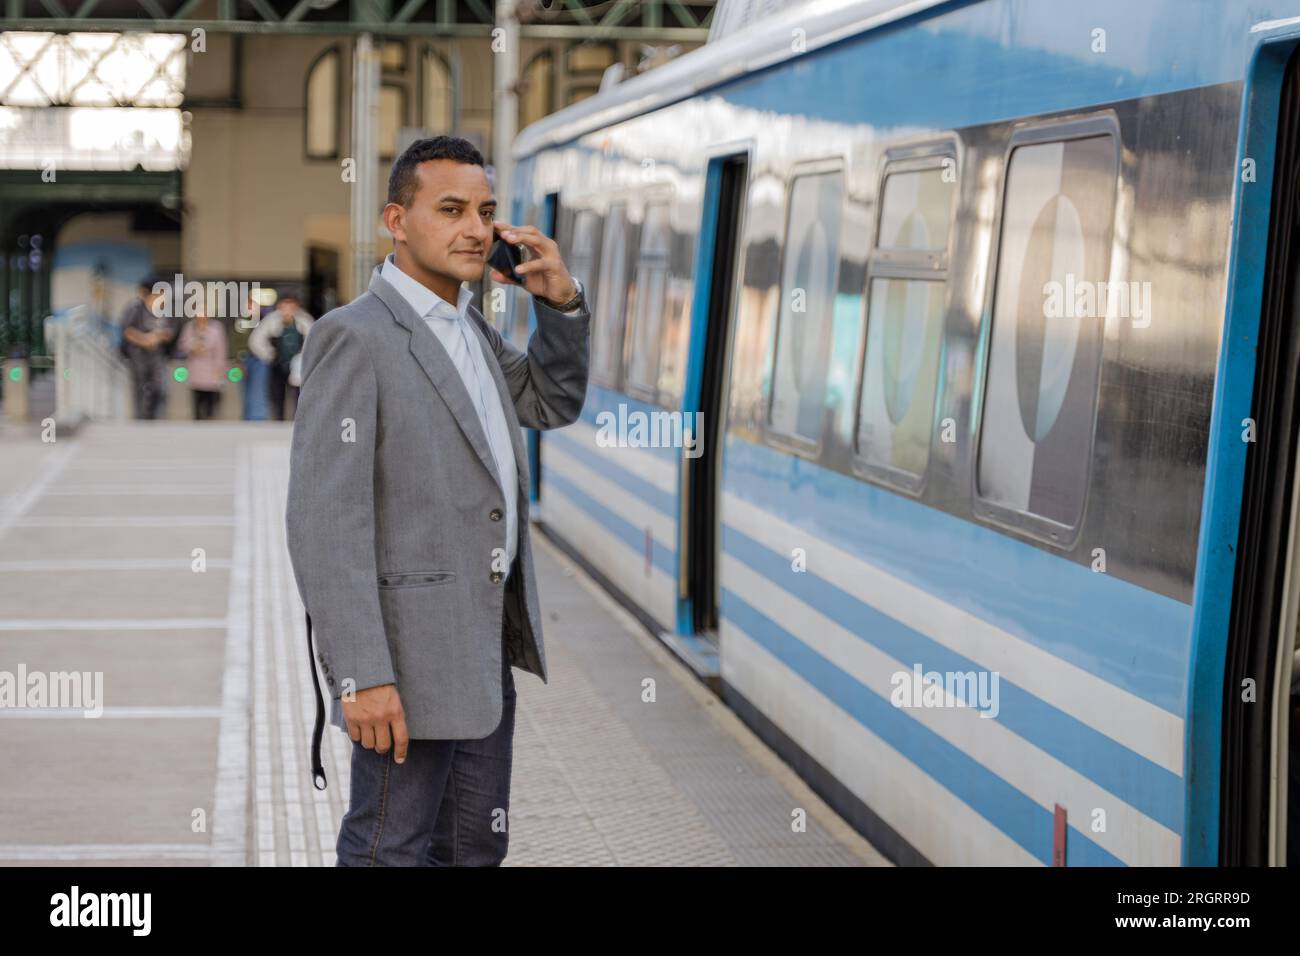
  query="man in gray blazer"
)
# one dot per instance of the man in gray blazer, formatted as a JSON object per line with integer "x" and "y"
{"x": 407, "y": 516}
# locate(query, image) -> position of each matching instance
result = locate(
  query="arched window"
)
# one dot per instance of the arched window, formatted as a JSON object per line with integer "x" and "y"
{"x": 392, "y": 117}
{"x": 537, "y": 97}
{"x": 437, "y": 93}
{"x": 323, "y": 96}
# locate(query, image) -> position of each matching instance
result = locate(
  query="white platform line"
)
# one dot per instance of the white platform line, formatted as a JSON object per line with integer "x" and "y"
{"x": 15, "y": 506}
{"x": 113, "y": 624}
{"x": 74, "y": 852}
{"x": 325, "y": 805}
{"x": 288, "y": 703}
{"x": 111, "y": 713}
{"x": 230, "y": 804}
{"x": 111, "y": 564}
{"x": 142, "y": 491}
{"x": 263, "y": 802}
{"x": 163, "y": 464}
{"x": 125, "y": 521}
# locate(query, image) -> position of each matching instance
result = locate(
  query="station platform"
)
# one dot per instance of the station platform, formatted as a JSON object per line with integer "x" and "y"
{"x": 153, "y": 554}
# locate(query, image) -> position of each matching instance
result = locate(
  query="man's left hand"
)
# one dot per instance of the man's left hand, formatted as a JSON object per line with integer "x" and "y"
{"x": 544, "y": 275}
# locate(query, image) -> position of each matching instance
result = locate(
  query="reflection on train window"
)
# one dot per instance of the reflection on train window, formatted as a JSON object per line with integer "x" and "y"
{"x": 579, "y": 249}
{"x": 581, "y": 257}
{"x": 809, "y": 274}
{"x": 905, "y": 315}
{"x": 646, "y": 303}
{"x": 916, "y": 209}
{"x": 1043, "y": 366}
{"x": 611, "y": 295}
{"x": 675, "y": 340}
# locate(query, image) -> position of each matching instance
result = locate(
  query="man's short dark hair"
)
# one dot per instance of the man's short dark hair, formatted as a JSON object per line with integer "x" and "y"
{"x": 402, "y": 182}
{"x": 149, "y": 281}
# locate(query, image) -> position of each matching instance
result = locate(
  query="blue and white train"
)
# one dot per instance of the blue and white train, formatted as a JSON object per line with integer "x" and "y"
{"x": 979, "y": 315}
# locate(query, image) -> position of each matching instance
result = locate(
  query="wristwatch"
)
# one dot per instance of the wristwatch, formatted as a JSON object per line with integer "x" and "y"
{"x": 572, "y": 303}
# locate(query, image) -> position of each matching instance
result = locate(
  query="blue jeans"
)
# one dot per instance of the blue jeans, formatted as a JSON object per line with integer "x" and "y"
{"x": 447, "y": 805}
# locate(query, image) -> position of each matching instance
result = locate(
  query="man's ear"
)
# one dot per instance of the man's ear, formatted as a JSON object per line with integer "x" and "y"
{"x": 393, "y": 216}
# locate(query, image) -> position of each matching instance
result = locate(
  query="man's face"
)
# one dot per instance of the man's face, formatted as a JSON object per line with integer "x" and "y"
{"x": 448, "y": 226}
{"x": 287, "y": 307}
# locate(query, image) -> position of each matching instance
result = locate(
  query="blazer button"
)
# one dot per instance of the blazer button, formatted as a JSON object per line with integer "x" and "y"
{"x": 496, "y": 577}
{"x": 331, "y": 681}
{"x": 495, "y": 514}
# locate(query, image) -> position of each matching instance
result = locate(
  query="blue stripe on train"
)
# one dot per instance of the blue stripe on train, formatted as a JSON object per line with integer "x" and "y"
{"x": 605, "y": 462}
{"x": 1043, "y": 55}
{"x": 1005, "y": 807}
{"x": 1133, "y": 638}
{"x": 1144, "y": 785}
{"x": 662, "y": 557}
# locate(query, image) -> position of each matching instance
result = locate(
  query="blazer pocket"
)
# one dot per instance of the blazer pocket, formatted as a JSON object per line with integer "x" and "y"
{"x": 415, "y": 579}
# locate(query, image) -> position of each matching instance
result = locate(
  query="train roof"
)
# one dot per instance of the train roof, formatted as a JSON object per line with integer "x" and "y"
{"x": 744, "y": 48}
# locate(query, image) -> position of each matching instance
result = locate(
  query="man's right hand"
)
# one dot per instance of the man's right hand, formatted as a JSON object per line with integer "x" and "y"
{"x": 376, "y": 720}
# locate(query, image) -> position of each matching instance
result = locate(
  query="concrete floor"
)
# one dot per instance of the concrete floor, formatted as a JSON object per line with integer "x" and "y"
{"x": 152, "y": 554}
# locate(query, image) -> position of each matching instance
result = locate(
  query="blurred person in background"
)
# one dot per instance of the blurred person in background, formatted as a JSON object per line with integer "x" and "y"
{"x": 203, "y": 345}
{"x": 278, "y": 341}
{"x": 255, "y": 370}
{"x": 145, "y": 336}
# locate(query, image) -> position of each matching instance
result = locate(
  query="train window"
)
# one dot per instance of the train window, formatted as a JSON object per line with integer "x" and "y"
{"x": 916, "y": 207}
{"x": 809, "y": 276}
{"x": 675, "y": 346}
{"x": 579, "y": 244}
{"x": 611, "y": 296}
{"x": 906, "y": 294}
{"x": 645, "y": 319}
{"x": 581, "y": 258}
{"x": 1041, "y": 379}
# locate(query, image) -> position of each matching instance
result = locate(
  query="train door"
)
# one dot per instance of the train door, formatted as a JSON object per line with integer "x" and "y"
{"x": 1259, "y": 817}
{"x": 703, "y": 402}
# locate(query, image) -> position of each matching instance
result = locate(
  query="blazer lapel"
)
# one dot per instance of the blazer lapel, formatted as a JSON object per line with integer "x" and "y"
{"x": 437, "y": 365}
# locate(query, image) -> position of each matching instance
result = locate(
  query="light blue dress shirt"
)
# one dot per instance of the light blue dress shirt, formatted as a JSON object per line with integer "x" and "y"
{"x": 451, "y": 326}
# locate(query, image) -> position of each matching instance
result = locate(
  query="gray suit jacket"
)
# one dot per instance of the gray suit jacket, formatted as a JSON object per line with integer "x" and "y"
{"x": 395, "y": 513}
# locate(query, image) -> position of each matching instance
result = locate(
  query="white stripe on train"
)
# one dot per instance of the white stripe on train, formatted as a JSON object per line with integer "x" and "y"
{"x": 1126, "y": 718}
{"x": 1130, "y": 836}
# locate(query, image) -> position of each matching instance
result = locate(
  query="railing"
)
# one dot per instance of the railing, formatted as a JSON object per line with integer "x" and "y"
{"x": 91, "y": 381}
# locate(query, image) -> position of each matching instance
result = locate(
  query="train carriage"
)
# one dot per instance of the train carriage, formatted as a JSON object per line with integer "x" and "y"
{"x": 942, "y": 408}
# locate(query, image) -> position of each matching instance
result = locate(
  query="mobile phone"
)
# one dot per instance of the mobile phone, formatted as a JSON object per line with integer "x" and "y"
{"x": 505, "y": 256}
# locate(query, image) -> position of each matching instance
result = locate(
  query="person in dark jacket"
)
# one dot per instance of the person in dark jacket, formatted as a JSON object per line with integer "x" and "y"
{"x": 145, "y": 338}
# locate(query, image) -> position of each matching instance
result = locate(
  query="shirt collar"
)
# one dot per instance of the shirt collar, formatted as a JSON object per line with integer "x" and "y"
{"x": 424, "y": 300}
